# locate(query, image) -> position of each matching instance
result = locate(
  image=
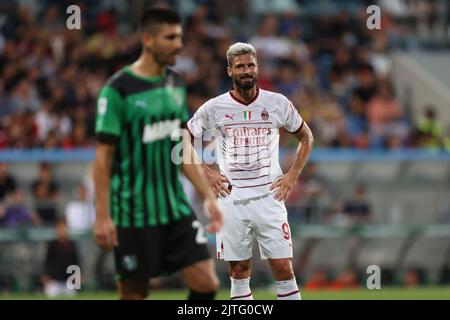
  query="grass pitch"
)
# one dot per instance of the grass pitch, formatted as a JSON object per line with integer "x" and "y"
{"x": 387, "y": 293}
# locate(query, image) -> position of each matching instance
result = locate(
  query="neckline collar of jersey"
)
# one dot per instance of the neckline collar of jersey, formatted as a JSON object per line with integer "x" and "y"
{"x": 243, "y": 102}
{"x": 149, "y": 79}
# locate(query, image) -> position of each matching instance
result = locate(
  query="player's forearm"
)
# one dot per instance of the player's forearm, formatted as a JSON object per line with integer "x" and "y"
{"x": 304, "y": 149}
{"x": 194, "y": 171}
{"x": 102, "y": 178}
{"x": 195, "y": 174}
{"x": 209, "y": 173}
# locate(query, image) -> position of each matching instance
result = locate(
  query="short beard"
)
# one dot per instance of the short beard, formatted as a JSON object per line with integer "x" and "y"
{"x": 156, "y": 57}
{"x": 244, "y": 86}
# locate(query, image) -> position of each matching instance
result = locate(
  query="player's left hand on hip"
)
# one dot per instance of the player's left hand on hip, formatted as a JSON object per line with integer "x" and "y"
{"x": 284, "y": 186}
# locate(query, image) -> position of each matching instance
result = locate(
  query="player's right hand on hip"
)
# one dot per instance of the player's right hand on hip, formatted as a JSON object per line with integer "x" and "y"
{"x": 216, "y": 216}
{"x": 105, "y": 233}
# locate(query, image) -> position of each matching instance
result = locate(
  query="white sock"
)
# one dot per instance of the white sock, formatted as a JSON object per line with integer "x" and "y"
{"x": 288, "y": 290}
{"x": 240, "y": 289}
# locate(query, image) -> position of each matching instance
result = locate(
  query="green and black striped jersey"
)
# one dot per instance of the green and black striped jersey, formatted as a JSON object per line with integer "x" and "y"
{"x": 139, "y": 114}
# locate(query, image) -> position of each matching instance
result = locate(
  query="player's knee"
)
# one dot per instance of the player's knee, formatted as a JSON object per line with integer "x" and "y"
{"x": 282, "y": 271}
{"x": 206, "y": 284}
{"x": 132, "y": 290}
{"x": 240, "y": 269}
{"x": 213, "y": 284}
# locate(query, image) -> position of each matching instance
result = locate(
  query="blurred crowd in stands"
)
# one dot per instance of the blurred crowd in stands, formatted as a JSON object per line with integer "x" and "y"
{"x": 320, "y": 54}
{"x": 44, "y": 209}
{"x": 333, "y": 68}
{"x": 336, "y": 71}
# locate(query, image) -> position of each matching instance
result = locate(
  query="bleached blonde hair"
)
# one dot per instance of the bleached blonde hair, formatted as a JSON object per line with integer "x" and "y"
{"x": 239, "y": 48}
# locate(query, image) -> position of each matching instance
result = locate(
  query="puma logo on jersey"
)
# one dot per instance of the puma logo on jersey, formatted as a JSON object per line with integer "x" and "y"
{"x": 160, "y": 130}
{"x": 230, "y": 116}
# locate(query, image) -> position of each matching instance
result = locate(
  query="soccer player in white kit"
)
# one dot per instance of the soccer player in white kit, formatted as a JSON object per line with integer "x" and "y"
{"x": 246, "y": 122}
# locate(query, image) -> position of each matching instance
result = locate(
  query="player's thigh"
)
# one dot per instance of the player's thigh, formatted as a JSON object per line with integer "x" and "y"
{"x": 272, "y": 229}
{"x": 201, "y": 276}
{"x": 138, "y": 257}
{"x": 234, "y": 241}
{"x": 185, "y": 244}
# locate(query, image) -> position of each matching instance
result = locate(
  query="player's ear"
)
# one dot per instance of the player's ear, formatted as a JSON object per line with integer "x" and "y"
{"x": 229, "y": 71}
{"x": 147, "y": 39}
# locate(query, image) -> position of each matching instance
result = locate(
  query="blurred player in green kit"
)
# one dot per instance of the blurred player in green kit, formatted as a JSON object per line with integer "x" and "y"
{"x": 142, "y": 212}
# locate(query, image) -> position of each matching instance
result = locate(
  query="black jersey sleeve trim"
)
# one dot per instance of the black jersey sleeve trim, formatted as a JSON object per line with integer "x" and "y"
{"x": 299, "y": 128}
{"x": 107, "y": 138}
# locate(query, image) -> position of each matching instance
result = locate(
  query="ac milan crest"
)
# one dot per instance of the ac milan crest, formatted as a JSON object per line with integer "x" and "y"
{"x": 264, "y": 115}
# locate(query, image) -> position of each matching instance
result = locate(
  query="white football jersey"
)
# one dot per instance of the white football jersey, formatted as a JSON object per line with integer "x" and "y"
{"x": 247, "y": 137}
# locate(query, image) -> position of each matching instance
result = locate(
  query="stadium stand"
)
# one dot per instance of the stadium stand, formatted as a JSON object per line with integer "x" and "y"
{"x": 385, "y": 253}
{"x": 428, "y": 255}
{"x": 320, "y": 55}
{"x": 332, "y": 255}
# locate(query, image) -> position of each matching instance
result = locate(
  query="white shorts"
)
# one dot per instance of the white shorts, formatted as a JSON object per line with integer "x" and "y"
{"x": 264, "y": 219}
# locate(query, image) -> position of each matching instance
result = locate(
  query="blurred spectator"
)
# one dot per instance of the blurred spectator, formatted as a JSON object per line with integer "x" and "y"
{"x": 379, "y": 59}
{"x": 362, "y": 94}
{"x": 25, "y": 97}
{"x": 286, "y": 81}
{"x": 365, "y": 89}
{"x": 79, "y": 212}
{"x": 7, "y": 182}
{"x": 269, "y": 46}
{"x": 413, "y": 277}
{"x": 341, "y": 74}
{"x": 426, "y": 14}
{"x": 430, "y": 129}
{"x": 61, "y": 253}
{"x": 45, "y": 194}
{"x": 17, "y": 213}
{"x": 348, "y": 279}
{"x": 334, "y": 213}
{"x": 330, "y": 126}
{"x": 21, "y": 132}
{"x": 446, "y": 140}
{"x": 45, "y": 120}
{"x": 357, "y": 209}
{"x": 312, "y": 192}
{"x": 319, "y": 280}
{"x": 78, "y": 138}
{"x": 52, "y": 140}
{"x": 384, "y": 116}
{"x": 7, "y": 187}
